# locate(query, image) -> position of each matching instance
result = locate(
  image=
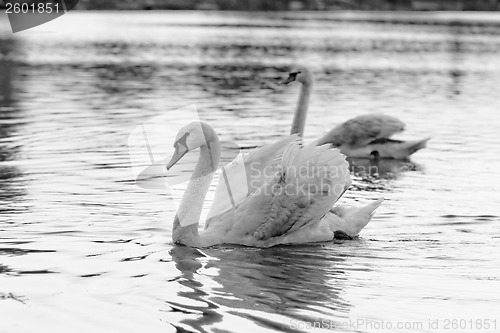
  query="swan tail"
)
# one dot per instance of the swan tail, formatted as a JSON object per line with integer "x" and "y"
{"x": 413, "y": 146}
{"x": 351, "y": 220}
{"x": 308, "y": 181}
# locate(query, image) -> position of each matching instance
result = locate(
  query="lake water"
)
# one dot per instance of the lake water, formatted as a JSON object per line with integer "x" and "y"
{"x": 83, "y": 249}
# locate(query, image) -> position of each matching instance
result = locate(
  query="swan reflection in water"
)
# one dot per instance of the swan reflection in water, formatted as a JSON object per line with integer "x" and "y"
{"x": 271, "y": 287}
{"x": 365, "y": 168}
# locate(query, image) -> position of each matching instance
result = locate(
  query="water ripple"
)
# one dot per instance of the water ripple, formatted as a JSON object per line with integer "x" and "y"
{"x": 82, "y": 247}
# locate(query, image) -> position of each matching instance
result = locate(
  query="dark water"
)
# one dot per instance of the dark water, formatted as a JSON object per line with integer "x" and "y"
{"x": 82, "y": 248}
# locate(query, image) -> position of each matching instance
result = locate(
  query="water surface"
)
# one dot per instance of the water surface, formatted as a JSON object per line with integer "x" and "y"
{"x": 82, "y": 248}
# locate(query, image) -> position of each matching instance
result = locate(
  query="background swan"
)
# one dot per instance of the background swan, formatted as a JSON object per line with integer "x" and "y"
{"x": 366, "y": 136}
{"x": 282, "y": 207}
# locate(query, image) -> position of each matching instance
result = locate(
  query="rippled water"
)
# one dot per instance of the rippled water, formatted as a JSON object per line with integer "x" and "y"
{"x": 82, "y": 248}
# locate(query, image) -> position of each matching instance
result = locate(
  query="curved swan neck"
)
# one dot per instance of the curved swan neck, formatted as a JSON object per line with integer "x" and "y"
{"x": 185, "y": 229}
{"x": 299, "y": 118}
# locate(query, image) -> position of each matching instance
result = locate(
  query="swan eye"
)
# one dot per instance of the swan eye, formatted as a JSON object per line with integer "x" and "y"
{"x": 181, "y": 143}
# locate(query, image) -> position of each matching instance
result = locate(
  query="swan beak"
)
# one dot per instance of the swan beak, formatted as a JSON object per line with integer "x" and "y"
{"x": 289, "y": 79}
{"x": 179, "y": 152}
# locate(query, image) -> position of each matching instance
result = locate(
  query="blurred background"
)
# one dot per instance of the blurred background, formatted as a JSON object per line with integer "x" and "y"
{"x": 82, "y": 248}
{"x": 262, "y": 5}
{"x": 295, "y": 4}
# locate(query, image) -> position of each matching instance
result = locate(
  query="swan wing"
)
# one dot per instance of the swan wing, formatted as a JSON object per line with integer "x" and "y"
{"x": 307, "y": 182}
{"x": 362, "y": 130}
{"x": 268, "y": 152}
{"x": 246, "y": 174}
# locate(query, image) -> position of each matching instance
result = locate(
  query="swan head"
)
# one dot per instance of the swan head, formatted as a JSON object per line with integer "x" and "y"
{"x": 194, "y": 135}
{"x": 300, "y": 74}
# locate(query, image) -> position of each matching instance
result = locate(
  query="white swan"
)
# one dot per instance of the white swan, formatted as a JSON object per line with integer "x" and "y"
{"x": 366, "y": 136}
{"x": 292, "y": 189}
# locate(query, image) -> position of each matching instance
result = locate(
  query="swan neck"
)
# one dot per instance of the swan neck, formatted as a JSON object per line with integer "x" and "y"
{"x": 185, "y": 229}
{"x": 299, "y": 119}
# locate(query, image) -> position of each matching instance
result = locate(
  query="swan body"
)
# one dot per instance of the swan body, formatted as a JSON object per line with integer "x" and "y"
{"x": 287, "y": 204}
{"x": 366, "y": 136}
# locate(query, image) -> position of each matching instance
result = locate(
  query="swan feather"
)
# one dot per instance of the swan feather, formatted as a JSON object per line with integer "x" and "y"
{"x": 271, "y": 215}
{"x": 362, "y": 130}
{"x": 262, "y": 158}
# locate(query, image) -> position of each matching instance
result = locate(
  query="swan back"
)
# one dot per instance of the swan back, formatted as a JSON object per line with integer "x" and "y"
{"x": 362, "y": 130}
